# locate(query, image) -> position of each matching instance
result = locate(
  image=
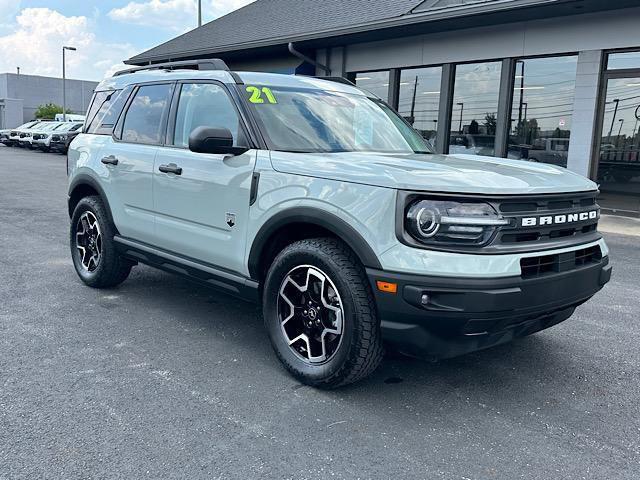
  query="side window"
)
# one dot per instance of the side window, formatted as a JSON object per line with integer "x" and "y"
{"x": 96, "y": 103}
{"x": 208, "y": 105}
{"x": 105, "y": 110}
{"x": 144, "y": 118}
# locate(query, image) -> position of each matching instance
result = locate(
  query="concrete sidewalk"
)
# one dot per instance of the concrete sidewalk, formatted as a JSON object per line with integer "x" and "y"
{"x": 619, "y": 225}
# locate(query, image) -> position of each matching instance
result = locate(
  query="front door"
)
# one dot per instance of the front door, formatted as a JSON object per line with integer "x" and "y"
{"x": 201, "y": 201}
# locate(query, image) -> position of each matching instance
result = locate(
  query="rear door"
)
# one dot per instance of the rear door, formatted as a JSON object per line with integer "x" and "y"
{"x": 128, "y": 158}
{"x": 202, "y": 211}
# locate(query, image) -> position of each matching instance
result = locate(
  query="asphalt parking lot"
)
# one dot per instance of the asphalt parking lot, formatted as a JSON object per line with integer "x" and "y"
{"x": 161, "y": 378}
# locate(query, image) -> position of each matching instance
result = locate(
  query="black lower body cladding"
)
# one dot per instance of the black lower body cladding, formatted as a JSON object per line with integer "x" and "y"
{"x": 441, "y": 317}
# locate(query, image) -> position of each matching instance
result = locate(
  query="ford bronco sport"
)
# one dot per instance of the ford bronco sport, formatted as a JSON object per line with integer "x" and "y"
{"x": 319, "y": 201}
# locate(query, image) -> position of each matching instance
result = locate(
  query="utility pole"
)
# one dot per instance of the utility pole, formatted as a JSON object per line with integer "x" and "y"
{"x": 64, "y": 83}
{"x": 461, "y": 110}
{"x": 199, "y": 13}
{"x": 413, "y": 102}
{"x": 613, "y": 120}
{"x": 620, "y": 129}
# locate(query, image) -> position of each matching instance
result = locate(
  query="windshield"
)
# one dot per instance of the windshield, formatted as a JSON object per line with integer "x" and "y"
{"x": 306, "y": 120}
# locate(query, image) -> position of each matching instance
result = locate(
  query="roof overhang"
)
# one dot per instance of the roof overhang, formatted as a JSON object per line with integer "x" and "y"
{"x": 456, "y": 18}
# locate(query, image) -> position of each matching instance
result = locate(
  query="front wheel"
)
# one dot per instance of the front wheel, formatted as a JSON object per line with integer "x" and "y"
{"x": 320, "y": 314}
{"x": 94, "y": 254}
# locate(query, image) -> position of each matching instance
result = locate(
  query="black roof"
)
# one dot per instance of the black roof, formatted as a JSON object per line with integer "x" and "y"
{"x": 268, "y": 23}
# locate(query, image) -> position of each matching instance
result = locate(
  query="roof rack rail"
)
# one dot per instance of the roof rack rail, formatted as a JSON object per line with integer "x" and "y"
{"x": 343, "y": 80}
{"x": 207, "y": 64}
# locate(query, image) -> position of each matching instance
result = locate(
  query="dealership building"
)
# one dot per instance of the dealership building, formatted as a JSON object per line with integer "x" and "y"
{"x": 21, "y": 95}
{"x": 555, "y": 81}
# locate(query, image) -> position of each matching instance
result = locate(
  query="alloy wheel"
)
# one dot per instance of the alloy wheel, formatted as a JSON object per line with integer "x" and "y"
{"x": 311, "y": 314}
{"x": 89, "y": 241}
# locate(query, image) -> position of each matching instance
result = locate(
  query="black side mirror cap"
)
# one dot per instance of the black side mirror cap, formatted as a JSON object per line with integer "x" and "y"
{"x": 213, "y": 140}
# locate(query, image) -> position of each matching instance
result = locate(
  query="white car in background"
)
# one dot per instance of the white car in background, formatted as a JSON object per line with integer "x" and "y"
{"x": 25, "y": 138}
{"x": 14, "y": 134}
{"x": 70, "y": 117}
{"x": 42, "y": 139}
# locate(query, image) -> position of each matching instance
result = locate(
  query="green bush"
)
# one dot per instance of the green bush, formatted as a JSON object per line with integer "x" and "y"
{"x": 49, "y": 111}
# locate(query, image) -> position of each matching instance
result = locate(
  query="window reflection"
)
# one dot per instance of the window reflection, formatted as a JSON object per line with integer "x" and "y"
{"x": 475, "y": 107}
{"x": 623, "y": 60}
{"x": 619, "y": 159}
{"x": 419, "y": 99}
{"x": 374, "y": 82}
{"x": 540, "y": 122}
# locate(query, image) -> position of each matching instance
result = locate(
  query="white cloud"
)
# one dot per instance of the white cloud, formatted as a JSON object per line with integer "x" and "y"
{"x": 35, "y": 42}
{"x": 174, "y": 15}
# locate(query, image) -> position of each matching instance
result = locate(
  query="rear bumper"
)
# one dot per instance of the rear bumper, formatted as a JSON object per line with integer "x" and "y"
{"x": 466, "y": 314}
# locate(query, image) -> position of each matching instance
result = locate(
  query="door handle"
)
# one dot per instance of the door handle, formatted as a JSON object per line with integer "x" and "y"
{"x": 110, "y": 160}
{"x": 170, "y": 168}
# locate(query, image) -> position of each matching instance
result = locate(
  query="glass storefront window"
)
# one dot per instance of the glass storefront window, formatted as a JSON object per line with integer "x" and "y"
{"x": 374, "y": 82}
{"x": 622, "y": 60}
{"x": 475, "y": 107}
{"x": 619, "y": 159}
{"x": 419, "y": 99}
{"x": 540, "y": 122}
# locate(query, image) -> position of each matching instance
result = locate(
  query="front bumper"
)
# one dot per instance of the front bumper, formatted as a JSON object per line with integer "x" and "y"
{"x": 462, "y": 315}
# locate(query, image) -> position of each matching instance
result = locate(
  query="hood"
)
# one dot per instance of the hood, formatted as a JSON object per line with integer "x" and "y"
{"x": 434, "y": 172}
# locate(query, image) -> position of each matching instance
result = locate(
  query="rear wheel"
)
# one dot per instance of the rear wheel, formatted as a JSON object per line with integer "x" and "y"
{"x": 93, "y": 250}
{"x": 320, "y": 314}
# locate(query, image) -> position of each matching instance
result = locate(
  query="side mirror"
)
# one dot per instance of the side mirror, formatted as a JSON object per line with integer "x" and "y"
{"x": 213, "y": 140}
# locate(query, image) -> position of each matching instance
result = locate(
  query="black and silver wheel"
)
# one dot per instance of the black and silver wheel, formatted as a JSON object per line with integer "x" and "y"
{"x": 89, "y": 241}
{"x": 310, "y": 314}
{"x": 93, "y": 250}
{"x": 320, "y": 314}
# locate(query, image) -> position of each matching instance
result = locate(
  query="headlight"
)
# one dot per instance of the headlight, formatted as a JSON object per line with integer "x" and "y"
{"x": 444, "y": 222}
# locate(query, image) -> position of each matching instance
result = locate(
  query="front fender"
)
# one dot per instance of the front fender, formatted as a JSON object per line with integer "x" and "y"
{"x": 361, "y": 215}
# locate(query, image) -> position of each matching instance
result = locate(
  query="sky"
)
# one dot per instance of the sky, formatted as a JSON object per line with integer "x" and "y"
{"x": 32, "y": 32}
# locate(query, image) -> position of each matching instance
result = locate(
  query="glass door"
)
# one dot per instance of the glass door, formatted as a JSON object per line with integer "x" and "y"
{"x": 618, "y": 171}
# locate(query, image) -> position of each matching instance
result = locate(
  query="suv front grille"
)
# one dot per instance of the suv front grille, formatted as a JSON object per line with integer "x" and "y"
{"x": 560, "y": 262}
{"x": 566, "y": 208}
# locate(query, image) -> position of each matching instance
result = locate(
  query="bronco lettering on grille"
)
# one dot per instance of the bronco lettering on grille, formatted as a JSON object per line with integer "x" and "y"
{"x": 559, "y": 219}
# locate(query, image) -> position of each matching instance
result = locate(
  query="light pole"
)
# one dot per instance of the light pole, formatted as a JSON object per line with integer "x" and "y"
{"x": 613, "y": 120}
{"x": 524, "y": 122}
{"x": 620, "y": 129}
{"x": 64, "y": 83}
{"x": 199, "y": 13}
{"x": 461, "y": 110}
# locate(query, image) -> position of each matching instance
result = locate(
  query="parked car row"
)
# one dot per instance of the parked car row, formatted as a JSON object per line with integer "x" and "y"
{"x": 43, "y": 135}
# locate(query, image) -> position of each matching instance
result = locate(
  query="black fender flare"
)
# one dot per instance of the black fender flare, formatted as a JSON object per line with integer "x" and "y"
{"x": 317, "y": 217}
{"x": 84, "y": 179}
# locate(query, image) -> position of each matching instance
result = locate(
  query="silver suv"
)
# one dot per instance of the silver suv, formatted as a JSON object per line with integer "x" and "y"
{"x": 319, "y": 201}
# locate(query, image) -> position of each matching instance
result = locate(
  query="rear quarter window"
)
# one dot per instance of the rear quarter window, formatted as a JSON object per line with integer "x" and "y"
{"x": 105, "y": 111}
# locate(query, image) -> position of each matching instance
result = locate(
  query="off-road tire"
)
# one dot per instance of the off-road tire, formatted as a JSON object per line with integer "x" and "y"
{"x": 360, "y": 350}
{"x": 112, "y": 269}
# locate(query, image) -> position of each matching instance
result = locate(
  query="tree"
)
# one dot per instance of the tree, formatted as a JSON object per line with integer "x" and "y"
{"x": 49, "y": 111}
{"x": 490, "y": 123}
{"x": 474, "y": 128}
